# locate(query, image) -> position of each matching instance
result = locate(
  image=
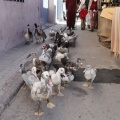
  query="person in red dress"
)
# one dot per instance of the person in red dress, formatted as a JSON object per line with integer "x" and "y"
{"x": 71, "y": 8}
{"x": 93, "y": 14}
{"x": 83, "y": 12}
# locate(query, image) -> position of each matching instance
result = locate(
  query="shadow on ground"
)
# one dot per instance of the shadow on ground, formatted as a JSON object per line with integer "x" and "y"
{"x": 103, "y": 76}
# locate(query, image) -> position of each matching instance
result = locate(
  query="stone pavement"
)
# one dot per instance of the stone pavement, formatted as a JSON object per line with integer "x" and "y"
{"x": 10, "y": 78}
{"x": 78, "y": 103}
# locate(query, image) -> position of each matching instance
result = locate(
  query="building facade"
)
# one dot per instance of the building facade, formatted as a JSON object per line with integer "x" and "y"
{"x": 16, "y": 14}
{"x": 14, "y": 17}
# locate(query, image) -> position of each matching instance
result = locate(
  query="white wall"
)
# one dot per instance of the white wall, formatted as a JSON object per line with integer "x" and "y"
{"x": 52, "y": 11}
{"x": 14, "y": 17}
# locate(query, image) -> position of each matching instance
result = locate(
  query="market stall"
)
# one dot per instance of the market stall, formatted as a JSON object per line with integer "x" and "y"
{"x": 115, "y": 33}
{"x": 104, "y": 26}
{"x": 105, "y": 21}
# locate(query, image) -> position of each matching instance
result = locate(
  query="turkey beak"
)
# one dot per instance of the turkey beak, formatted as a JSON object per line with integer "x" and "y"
{"x": 50, "y": 76}
{"x": 84, "y": 71}
{"x": 67, "y": 58}
{"x": 20, "y": 70}
{"x": 74, "y": 68}
{"x": 62, "y": 75}
{"x": 81, "y": 63}
{"x": 50, "y": 82}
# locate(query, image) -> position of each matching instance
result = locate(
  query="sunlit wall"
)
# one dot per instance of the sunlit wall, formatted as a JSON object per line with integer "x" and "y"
{"x": 14, "y": 17}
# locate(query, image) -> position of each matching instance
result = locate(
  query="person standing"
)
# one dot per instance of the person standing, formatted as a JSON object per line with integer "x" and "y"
{"x": 71, "y": 8}
{"x": 84, "y": 15}
{"x": 92, "y": 7}
{"x": 64, "y": 10}
{"x": 83, "y": 12}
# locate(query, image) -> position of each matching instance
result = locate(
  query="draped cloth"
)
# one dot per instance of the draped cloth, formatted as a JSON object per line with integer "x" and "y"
{"x": 115, "y": 33}
{"x": 107, "y": 13}
{"x": 104, "y": 30}
{"x": 104, "y": 26}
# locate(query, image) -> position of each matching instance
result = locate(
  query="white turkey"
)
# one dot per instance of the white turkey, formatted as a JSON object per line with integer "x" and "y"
{"x": 71, "y": 39}
{"x": 52, "y": 34}
{"x": 67, "y": 78}
{"x": 56, "y": 80}
{"x": 41, "y": 91}
{"x": 29, "y": 76}
{"x": 60, "y": 56}
{"x": 89, "y": 74}
{"x": 46, "y": 57}
{"x": 62, "y": 49}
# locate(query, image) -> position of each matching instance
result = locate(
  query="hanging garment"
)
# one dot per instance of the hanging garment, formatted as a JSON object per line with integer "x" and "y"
{"x": 71, "y": 11}
{"x": 115, "y": 33}
{"x": 107, "y": 13}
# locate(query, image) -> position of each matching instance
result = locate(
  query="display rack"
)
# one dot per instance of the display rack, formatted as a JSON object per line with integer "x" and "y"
{"x": 110, "y": 3}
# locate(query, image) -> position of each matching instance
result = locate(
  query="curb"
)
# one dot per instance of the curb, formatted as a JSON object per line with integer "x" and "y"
{"x": 12, "y": 88}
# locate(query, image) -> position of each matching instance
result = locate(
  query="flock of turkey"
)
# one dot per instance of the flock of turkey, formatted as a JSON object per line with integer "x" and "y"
{"x": 53, "y": 68}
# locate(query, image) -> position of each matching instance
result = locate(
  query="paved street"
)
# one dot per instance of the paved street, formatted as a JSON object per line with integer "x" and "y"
{"x": 101, "y": 103}
{"x": 79, "y": 103}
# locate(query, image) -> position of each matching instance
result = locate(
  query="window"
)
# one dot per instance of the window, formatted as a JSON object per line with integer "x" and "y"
{"x": 16, "y": 0}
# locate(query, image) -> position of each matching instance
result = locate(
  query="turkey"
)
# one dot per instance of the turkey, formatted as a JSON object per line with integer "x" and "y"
{"x": 52, "y": 34}
{"x": 59, "y": 56}
{"x": 62, "y": 49}
{"x": 40, "y": 66}
{"x": 28, "y": 35}
{"x": 43, "y": 35}
{"x": 53, "y": 47}
{"x": 29, "y": 76}
{"x": 41, "y": 91}
{"x": 71, "y": 38}
{"x": 56, "y": 80}
{"x": 89, "y": 74}
{"x": 67, "y": 78}
{"x": 46, "y": 56}
{"x": 37, "y": 34}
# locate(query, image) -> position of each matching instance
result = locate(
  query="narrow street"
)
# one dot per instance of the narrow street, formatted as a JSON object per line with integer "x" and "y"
{"x": 78, "y": 103}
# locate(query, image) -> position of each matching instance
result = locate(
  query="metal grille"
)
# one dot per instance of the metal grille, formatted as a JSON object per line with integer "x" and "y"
{"x": 15, "y": 0}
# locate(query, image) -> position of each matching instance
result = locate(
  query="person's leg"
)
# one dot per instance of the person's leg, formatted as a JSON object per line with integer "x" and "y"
{"x": 68, "y": 19}
{"x": 73, "y": 27}
{"x": 69, "y": 27}
{"x": 91, "y": 21}
{"x": 82, "y": 24}
{"x": 73, "y": 18}
{"x": 88, "y": 20}
{"x": 95, "y": 20}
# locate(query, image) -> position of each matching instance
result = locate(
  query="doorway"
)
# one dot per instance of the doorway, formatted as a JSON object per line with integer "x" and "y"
{"x": 61, "y": 12}
{"x": 43, "y": 11}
